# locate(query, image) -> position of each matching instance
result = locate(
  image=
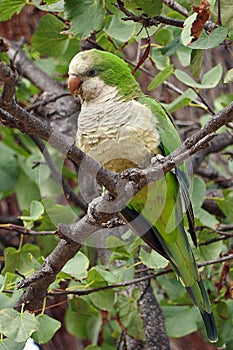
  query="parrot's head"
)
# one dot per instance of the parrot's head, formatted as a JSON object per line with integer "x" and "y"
{"x": 92, "y": 72}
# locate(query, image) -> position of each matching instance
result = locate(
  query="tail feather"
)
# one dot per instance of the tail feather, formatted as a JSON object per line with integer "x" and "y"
{"x": 210, "y": 326}
{"x": 200, "y": 298}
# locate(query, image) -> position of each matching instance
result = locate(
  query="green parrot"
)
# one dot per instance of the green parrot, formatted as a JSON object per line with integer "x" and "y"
{"x": 121, "y": 128}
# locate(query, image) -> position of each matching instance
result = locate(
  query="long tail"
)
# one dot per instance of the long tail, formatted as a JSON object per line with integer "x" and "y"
{"x": 197, "y": 291}
{"x": 205, "y": 309}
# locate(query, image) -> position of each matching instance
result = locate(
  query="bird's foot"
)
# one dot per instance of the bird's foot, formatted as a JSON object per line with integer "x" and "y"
{"x": 157, "y": 159}
{"x": 133, "y": 174}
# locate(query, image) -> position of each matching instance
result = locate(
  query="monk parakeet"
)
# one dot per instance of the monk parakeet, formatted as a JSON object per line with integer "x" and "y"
{"x": 121, "y": 128}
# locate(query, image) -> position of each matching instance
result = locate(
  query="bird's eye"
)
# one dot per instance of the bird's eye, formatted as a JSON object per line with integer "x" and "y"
{"x": 91, "y": 72}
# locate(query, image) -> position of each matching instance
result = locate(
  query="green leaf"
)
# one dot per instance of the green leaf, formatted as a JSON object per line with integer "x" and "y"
{"x": 8, "y": 344}
{"x": 48, "y": 326}
{"x": 92, "y": 347}
{"x": 186, "y": 79}
{"x": 57, "y": 213}
{"x": 184, "y": 55}
{"x": 181, "y": 101}
{"x": 24, "y": 197}
{"x": 95, "y": 278}
{"x": 23, "y": 260}
{"x": 136, "y": 294}
{"x": 10, "y": 7}
{"x": 47, "y": 38}
{"x": 104, "y": 299}
{"x": 228, "y": 78}
{"x": 107, "y": 275}
{"x": 222, "y": 101}
{"x": 150, "y": 7}
{"x": 153, "y": 259}
{"x": 118, "y": 246}
{"x": 196, "y": 62}
{"x": 129, "y": 314}
{"x": 210, "y": 251}
{"x": 160, "y": 77}
{"x": 7, "y": 301}
{"x": 86, "y": 16}
{"x": 86, "y": 326}
{"x": 8, "y": 283}
{"x": 198, "y": 193}
{"x": 77, "y": 266}
{"x": 180, "y": 320}
{"x": 209, "y": 41}
{"x": 51, "y": 6}
{"x": 9, "y": 170}
{"x": 119, "y": 29}
{"x": 171, "y": 47}
{"x": 226, "y": 13}
{"x": 212, "y": 77}
{"x": 160, "y": 61}
{"x": 36, "y": 210}
{"x": 226, "y": 204}
{"x": 206, "y": 218}
{"x": 171, "y": 286}
{"x": 17, "y": 326}
{"x": 163, "y": 36}
{"x": 82, "y": 307}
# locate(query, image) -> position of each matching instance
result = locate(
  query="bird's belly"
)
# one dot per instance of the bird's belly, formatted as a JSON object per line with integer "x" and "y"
{"x": 119, "y": 135}
{"x": 120, "y": 154}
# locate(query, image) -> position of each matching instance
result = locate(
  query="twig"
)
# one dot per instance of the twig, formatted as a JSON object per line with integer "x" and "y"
{"x": 45, "y": 102}
{"x": 136, "y": 280}
{"x": 177, "y": 7}
{"x": 225, "y": 227}
{"x": 223, "y": 237}
{"x": 219, "y": 12}
{"x": 116, "y": 285}
{"x": 25, "y": 231}
{"x": 146, "y": 21}
{"x": 216, "y": 261}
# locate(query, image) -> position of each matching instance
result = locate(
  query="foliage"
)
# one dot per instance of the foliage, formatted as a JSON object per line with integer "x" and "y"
{"x": 175, "y": 55}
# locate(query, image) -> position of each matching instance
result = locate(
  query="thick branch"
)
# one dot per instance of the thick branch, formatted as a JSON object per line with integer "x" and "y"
{"x": 28, "y": 70}
{"x": 13, "y": 115}
{"x": 39, "y": 282}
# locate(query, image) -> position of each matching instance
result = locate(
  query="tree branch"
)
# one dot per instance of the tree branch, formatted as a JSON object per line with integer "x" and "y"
{"x": 220, "y": 142}
{"x": 176, "y": 7}
{"x": 145, "y": 20}
{"x": 122, "y": 187}
{"x": 135, "y": 280}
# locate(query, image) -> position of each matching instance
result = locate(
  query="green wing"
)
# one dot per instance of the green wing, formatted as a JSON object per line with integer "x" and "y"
{"x": 170, "y": 140}
{"x": 155, "y": 213}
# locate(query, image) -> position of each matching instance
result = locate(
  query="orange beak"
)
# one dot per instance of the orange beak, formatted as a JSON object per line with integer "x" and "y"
{"x": 74, "y": 85}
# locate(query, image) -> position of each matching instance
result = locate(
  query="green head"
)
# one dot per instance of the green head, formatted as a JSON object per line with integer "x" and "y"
{"x": 95, "y": 69}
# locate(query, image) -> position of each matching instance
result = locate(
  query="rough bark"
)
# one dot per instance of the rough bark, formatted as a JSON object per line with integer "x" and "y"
{"x": 156, "y": 337}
